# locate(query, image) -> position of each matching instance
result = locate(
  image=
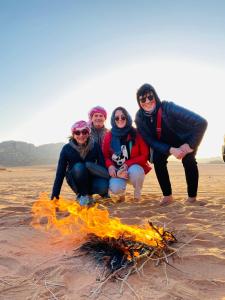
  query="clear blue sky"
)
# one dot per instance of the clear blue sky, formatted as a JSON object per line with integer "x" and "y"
{"x": 47, "y": 47}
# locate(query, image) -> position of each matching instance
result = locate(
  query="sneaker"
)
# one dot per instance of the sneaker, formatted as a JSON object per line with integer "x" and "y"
{"x": 91, "y": 199}
{"x": 105, "y": 196}
{"x": 166, "y": 200}
{"x": 121, "y": 198}
{"x": 84, "y": 200}
{"x": 191, "y": 200}
{"x": 137, "y": 199}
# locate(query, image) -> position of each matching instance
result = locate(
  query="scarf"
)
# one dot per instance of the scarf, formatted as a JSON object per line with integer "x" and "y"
{"x": 98, "y": 134}
{"x": 118, "y": 133}
{"x": 83, "y": 149}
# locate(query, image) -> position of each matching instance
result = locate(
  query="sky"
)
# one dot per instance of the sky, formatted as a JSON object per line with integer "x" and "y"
{"x": 60, "y": 58}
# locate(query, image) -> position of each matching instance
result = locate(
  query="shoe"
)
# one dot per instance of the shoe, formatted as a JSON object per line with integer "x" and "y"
{"x": 136, "y": 199}
{"x": 191, "y": 200}
{"x": 105, "y": 196}
{"x": 91, "y": 199}
{"x": 166, "y": 200}
{"x": 121, "y": 198}
{"x": 84, "y": 200}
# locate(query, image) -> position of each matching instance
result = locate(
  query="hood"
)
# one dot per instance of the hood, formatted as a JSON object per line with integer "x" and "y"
{"x": 146, "y": 88}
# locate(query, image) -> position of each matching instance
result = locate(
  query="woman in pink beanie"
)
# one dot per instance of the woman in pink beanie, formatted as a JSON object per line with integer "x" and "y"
{"x": 82, "y": 163}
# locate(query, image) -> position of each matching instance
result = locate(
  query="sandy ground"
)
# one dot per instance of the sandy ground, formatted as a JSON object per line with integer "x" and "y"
{"x": 38, "y": 265}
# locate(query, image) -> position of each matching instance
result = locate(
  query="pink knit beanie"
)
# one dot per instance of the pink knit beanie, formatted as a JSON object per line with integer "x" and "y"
{"x": 79, "y": 125}
{"x": 97, "y": 109}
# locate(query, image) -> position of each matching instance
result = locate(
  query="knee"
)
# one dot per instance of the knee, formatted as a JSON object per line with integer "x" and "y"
{"x": 116, "y": 187}
{"x": 136, "y": 173}
{"x": 78, "y": 169}
{"x": 189, "y": 160}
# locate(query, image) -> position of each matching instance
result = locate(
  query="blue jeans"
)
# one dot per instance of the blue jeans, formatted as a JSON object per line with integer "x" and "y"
{"x": 82, "y": 182}
{"x": 136, "y": 177}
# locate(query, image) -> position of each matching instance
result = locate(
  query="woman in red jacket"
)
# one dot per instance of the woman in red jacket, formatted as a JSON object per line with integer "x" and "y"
{"x": 126, "y": 155}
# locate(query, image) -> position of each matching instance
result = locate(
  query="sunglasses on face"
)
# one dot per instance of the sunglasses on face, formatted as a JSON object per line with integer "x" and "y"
{"x": 123, "y": 118}
{"x": 83, "y": 132}
{"x": 144, "y": 98}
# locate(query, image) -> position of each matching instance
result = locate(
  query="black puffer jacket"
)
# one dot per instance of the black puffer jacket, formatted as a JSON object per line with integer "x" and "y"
{"x": 177, "y": 122}
{"x": 68, "y": 157}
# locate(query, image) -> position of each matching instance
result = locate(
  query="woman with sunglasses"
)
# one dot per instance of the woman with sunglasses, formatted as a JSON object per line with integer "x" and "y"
{"x": 170, "y": 130}
{"x": 126, "y": 155}
{"x": 82, "y": 163}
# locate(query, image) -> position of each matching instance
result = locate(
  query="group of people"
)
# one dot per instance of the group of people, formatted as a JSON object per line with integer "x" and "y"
{"x": 101, "y": 161}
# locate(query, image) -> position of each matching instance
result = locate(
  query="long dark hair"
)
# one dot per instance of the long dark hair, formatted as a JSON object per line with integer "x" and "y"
{"x": 128, "y": 129}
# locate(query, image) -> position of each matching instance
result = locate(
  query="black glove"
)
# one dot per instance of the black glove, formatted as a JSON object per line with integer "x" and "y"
{"x": 52, "y": 197}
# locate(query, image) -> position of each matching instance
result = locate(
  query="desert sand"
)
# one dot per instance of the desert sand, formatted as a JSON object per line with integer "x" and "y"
{"x": 39, "y": 265}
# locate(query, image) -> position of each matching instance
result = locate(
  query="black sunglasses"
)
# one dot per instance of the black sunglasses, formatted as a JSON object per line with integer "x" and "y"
{"x": 83, "y": 132}
{"x": 144, "y": 98}
{"x": 123, "y": 118}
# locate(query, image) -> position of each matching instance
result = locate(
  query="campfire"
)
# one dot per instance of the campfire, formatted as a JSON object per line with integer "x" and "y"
{"x": 102, "y": 233}
{"x": 113, "y": 244}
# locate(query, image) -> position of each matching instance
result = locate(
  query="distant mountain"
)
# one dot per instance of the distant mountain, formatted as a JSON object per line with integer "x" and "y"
{"x": 14, "y": 153}
{"x": 211, "y": 160}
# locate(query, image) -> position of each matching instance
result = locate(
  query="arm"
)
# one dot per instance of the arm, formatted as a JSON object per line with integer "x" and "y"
{"x": 149, "y": 137}
{"x": 190, "y": 121}
{"x": 60, "y": 174}
{"x": 106, "y": 150}
{"x": 101, "y": 159}
{"x": 142, "y": 155}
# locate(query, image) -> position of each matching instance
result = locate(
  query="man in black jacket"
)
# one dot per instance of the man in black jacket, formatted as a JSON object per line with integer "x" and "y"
{"x": 170, "y": 130}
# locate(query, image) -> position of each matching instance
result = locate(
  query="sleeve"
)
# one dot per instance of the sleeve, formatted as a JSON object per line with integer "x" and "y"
{"x": 107, "y": 153}
{"x": 143, "y": 153}
{"x": 60, "y": 174}
{"x": 149, "y": 137}
{"x": 196, "y": 124}
{"x": 101, "y": 160}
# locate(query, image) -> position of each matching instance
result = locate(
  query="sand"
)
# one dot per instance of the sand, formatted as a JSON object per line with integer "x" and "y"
{"x": 39, "y": 265}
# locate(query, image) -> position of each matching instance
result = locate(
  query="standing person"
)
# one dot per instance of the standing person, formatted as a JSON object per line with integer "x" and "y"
{"x": 81, "y": 161}
{"x": 126, "y": 155}
{"x": 97, "y": 117}
{"x": 170, "y": 130}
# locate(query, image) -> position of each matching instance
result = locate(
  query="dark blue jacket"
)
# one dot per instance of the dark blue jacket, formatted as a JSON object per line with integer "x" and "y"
{"x": 178, "y": 123}
{"x": 70, "y": 156}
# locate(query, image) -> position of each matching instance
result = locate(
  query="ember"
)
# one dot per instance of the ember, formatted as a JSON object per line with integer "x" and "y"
{"x": 118, "y": 253}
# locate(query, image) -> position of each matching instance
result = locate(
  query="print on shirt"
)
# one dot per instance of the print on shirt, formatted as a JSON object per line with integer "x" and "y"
{"x": 120, "y": 158}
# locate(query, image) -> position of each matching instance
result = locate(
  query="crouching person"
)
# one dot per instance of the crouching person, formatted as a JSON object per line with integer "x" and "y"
{"x": 81, "y": 161}
{"x": 126, "y": 155}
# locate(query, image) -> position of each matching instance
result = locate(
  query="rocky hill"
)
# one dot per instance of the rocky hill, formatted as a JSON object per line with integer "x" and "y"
{"x": 13, "y": 153}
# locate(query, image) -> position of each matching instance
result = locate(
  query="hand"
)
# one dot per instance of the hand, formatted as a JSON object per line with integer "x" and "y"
{"x": 112, "y": 171}
{"x": 177, "y": 152}
{"x": 54, "y": 197}
{"x": 122, "y": 174}
{"x": 186, "y": 148}
{"x": 124, "y": 167}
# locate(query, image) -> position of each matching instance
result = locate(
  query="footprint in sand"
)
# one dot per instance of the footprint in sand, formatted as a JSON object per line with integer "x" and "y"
{"x": 9, "y": 262}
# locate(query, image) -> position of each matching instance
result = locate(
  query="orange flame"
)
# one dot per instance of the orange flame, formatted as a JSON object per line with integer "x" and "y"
{"x": 92, "y": 220}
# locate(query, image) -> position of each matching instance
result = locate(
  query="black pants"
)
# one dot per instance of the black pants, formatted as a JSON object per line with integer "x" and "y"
{"x": 190, "y": 168}
{"x": 83, "y": 182}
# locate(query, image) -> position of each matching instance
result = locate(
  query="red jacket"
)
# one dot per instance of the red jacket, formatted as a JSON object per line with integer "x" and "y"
{"x": 139, "y": 152}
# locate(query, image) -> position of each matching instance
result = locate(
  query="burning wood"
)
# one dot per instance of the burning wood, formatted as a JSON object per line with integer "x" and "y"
{"x": 93, "y": 220}
{"x": 123, "y": 252}
{"x": 113, "y": 244}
